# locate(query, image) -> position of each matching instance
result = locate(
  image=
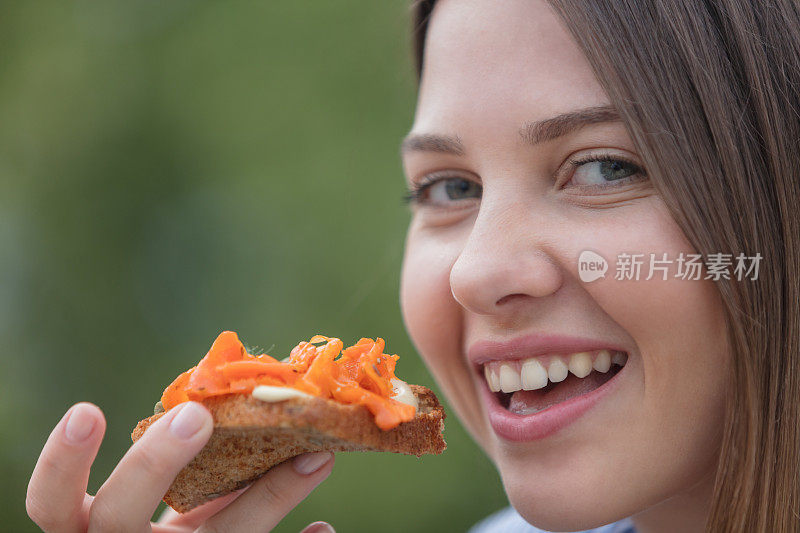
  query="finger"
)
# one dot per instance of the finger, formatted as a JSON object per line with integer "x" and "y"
{"x": 318, "y": 527}
{"x": 131, "y": 493}
{"x": 199, "y": 514}
{"x": 57, "y": 488}
{"x": 276, "y": 493}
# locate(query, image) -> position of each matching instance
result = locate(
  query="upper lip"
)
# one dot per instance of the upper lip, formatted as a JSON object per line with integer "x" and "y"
{"x": 534, "y": 345}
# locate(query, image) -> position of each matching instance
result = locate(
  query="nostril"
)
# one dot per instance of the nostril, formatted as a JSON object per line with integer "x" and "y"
{"x": 508, "y": 298}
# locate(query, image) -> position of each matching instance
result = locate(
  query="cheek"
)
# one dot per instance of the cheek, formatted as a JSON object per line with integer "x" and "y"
{"x": 678, "y": 328}
{"x": 425, "y": 299}
{"x": 433, "y": 320}
{"x": 678, "y": 325}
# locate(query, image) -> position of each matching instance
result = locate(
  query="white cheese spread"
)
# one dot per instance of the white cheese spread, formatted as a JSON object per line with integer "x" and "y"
{"x": 403, "y": 393}
{"x": 270, "y": 393}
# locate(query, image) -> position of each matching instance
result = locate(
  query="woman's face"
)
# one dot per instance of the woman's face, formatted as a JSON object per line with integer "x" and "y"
{"x": 492, "y": 256}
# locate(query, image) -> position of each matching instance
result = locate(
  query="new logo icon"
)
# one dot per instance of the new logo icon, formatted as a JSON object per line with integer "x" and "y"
{"x": 591, "y": 266}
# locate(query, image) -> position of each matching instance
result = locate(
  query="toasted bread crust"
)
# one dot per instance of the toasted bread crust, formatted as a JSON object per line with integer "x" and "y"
{"x": 251, "y": 436}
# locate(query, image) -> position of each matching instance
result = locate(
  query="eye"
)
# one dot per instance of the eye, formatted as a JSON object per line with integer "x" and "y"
{"x": 603, "y": 170}
{"x": 442, "y": 190}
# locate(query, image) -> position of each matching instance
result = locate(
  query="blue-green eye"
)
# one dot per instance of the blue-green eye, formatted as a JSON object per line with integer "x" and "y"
{"x": 443, "y": 190}
{"x": 604, "y": 170}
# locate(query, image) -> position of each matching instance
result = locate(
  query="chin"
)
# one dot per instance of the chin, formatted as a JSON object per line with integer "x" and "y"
{"x": 569, "y": 504}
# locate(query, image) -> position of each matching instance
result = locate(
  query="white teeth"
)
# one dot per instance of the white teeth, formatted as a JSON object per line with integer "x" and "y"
{"x": 531, "y": 374}
{"x": 510, "y": 380}
{"x": 580, "y": 364}
{"x": 603, "y": 361}
{"x": 491, "y": 379}
{"x": 557, "y": 371}
{"x": 534, "y": 376}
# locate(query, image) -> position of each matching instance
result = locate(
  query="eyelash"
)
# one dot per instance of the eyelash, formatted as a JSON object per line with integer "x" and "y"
{"x": 414, "y": 194}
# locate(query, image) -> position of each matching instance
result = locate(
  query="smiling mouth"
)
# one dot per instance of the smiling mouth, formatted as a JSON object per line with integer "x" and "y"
{"x": 525, "y": 387}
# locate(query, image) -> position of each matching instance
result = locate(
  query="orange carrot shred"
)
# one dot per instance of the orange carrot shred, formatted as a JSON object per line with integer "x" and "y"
{"x": 360, "y": 374}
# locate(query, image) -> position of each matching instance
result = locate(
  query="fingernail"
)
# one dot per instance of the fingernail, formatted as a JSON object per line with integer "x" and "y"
{"x": 80, "y": 424}
{"x": 188, "y": 421}
{"x": 318, "y": 527}
{"x": 311, "y": 462}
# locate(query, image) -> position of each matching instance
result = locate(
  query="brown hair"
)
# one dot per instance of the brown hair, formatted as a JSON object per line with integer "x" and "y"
{"x": 710, "y": 94}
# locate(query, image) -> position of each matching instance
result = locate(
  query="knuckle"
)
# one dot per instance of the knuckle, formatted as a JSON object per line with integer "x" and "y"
{"x": 102, "y": 516}
{"x": 50, "y": 466}
{"x": 269, "y": 491}
{"x": 150, "y": 461}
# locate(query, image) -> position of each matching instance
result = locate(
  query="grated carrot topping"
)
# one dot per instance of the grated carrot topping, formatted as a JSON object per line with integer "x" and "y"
{"x": 361, "y": 375}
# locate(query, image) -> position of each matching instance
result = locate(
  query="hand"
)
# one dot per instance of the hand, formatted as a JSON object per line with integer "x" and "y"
{"x": 57, "y": 500}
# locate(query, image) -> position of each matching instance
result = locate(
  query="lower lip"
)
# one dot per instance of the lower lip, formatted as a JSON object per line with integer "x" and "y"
{"x": 522, "y": 428}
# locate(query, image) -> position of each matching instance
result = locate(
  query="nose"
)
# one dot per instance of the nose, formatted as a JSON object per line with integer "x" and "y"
{"x": 506, "y": 259}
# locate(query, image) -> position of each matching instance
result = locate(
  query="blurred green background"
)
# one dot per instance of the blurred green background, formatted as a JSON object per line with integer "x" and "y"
{"x": 169, "y": 170}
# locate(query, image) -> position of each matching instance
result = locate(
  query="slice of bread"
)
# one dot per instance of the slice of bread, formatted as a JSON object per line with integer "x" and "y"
{"x": 251, "y": 436}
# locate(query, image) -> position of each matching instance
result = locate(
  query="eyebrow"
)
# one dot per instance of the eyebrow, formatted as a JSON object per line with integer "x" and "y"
{"x": 532, "y": 132}
{"x": 429, "y": 142}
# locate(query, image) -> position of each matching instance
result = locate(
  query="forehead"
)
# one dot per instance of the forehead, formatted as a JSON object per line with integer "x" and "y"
{"x": 487, "y": 59}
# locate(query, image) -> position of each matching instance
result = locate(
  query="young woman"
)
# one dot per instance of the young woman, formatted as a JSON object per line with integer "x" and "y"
{"x": 554, "y": 145}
